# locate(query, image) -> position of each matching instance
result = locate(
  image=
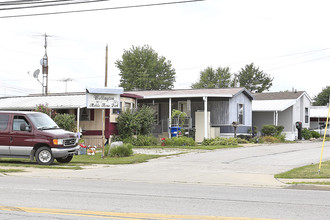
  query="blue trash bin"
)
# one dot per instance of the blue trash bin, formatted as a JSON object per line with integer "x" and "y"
{"x": 175, "y": 131}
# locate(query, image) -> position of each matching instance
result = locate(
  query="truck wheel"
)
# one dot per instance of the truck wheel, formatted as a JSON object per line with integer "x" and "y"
{"x": 66, "y": 159}
{"x": 44, "y": 156}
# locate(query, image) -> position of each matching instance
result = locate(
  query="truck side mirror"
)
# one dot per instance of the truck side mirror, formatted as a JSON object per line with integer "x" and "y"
{"x": 24, "y": 127}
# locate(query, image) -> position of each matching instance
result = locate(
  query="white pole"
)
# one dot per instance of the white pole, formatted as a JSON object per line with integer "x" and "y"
{"x": 205, "y": 117}
{"x": 169, "y": 116}
{"x": 78, "y": 119}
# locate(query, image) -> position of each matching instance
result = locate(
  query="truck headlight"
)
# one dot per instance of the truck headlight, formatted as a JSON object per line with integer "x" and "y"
{"x": 58, "y": 141}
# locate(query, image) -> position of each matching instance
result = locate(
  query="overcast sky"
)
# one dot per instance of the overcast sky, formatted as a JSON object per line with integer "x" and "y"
{"x": 289, "y": 40}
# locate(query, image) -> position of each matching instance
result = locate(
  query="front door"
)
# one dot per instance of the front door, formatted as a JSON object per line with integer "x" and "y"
{"x": 4, "y": 134}
{"x": 21, "y": 139}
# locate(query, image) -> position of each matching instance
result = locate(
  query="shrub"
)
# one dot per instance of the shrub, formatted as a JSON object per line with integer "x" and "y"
{"x": 122, "y": 151}
{"x": 272, "y": 130}
{"x": 306, "y": 134}
{"x": 180, "y": 141}
{"x": 220, "y": 141}
{"x": 315, "y": 134}
{"x": 242, "y": 141}
{"x": 257, "y": 140}
{"x": 66, "y": 121}
{"x": 140, "y": 122}
{"x": 270, "y": 139}
{"x": 45, "y": 109}
{"x": 245, "y": 137}
{"x": 142, "y": 140}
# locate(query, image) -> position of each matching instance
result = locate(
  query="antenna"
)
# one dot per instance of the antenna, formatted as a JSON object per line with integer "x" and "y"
{"x": 66, "y": 80}
{"x": 36, "y": 74}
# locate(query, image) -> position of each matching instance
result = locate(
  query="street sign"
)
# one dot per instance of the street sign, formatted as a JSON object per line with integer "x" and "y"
{"x": 103, "y": 98}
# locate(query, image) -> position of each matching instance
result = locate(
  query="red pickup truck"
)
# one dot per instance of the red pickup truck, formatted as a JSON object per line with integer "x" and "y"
{"x": 36, "y": 136}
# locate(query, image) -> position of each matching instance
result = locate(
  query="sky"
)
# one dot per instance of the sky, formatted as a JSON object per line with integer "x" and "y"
{"x": 289, "y": 40}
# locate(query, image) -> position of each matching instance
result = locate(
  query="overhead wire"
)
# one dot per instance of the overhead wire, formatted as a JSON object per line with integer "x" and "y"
{"x": 44, "y": 4}
{"x": 101, "y": 9}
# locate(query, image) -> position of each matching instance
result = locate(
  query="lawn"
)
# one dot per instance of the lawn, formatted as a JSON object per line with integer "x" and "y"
{"x": 97, "y": 159}
{"x": 200, "y": 147}
{"x": 307, "y": 172}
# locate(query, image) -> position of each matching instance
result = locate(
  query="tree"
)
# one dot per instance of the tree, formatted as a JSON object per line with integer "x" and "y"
{"x": 140, "y": 122}
{"x": 323, "y": 97}
{"x": 66, "y": 121}
{"x": 210, "y": 78}
{"x": 142, "y": 69}
{"x": 253, "y": 79}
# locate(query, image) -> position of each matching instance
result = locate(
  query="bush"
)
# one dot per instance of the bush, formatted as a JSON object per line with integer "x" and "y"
{"x": 66, "y": 121}
{"x": 315, "y": 134}
{"x": 122, "y": 151}
{"x": 180, "y": 141}
{"x": 257, "y": 140}
{"x": 270, "y": 139}
{"x": 220, "y": 141}
{"x": 142, "y": 140}
{"x": 306, "y": 134}
{"x": 245, "y": 137}
{"x": 272, "y": 130}
{"x": 140, "y": 122}
{"x": 242, "y": 141}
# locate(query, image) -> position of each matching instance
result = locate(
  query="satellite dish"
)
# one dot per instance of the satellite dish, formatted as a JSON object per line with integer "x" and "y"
{"x": 36, "y": 73}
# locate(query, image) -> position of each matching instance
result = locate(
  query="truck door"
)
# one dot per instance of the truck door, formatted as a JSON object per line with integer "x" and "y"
{"x": 4, "y": 134}
{"x": 21, "y": 137}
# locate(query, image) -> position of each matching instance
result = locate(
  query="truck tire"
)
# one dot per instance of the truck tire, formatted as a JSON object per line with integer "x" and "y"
{"x": 66, "y": 159}
{"x": 44, "y": 156}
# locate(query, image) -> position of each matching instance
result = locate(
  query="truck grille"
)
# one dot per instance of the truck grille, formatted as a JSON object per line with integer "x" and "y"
{"x": 69, "y": 142}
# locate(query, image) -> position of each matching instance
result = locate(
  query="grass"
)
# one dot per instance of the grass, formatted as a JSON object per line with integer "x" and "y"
{"x": 78, "y": 161}
{"x": 96, "y": 159}
{"x": 312, "y": 183}
{"x": 307, "y": 172}
{"x": 14, "y": 162}
{"x": 198, "y": 147}
{"x": 10, "y": 170}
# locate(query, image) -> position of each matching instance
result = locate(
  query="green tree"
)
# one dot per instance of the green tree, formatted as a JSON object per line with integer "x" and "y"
{"x": 213, "y": 78}
{"x": 323, "y": 97}
{"x": 145, "y": 119}
{"x": 66, "y": 121}
{"x": 140, "y": 122}
{"x": 142, "y": 69}
{"x": 253, "y": 79}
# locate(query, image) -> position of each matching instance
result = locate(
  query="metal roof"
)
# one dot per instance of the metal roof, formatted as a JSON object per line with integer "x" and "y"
{"x": 272, "y": 105}
{"x": 278, "y": 95}
{"x": 319, "y": 111}
{"x": 54, "y": 102}
{"x": 105, "y": 90}
{"x": 190, "y": 93}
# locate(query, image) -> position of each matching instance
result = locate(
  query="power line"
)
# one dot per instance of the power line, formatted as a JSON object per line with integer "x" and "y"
{"x": 102, "y": 9}
{"x": 44, "y": 4}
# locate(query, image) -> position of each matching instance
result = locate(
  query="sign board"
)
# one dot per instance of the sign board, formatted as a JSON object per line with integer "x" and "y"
{"x": 103, "y": 98}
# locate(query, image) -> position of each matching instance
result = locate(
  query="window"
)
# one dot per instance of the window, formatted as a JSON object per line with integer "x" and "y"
{"x": 240, "y": 111}
{"x": 85, "y": 114}
{"x": 117, "y": 110}
{"x": 306, "y": 115}
{"x": 4, "y": 122}
{"x": 127, "y": 106}
{"x": 18, "y": 120}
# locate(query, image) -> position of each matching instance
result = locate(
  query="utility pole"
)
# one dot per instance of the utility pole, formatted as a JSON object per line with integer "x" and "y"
{"x": 44, "y": 64}
{"x": 103, "y": 111}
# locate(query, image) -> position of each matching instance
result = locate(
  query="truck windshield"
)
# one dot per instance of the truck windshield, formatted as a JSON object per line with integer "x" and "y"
{"x": 43, "y": 121}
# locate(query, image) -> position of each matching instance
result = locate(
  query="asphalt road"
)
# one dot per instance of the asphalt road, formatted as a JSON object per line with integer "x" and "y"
{"x": 229, "y": 184}
{"x": 90, "y": 199}
{"x": 247, "y": 166}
